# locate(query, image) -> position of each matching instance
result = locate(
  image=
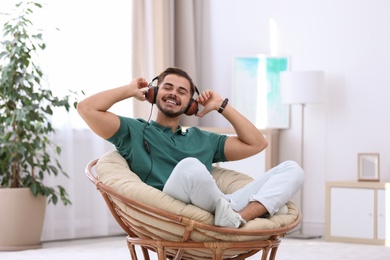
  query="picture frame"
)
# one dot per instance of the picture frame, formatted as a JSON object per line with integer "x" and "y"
{"x": 256, "y": 90}
{"x": 368, "y": 167}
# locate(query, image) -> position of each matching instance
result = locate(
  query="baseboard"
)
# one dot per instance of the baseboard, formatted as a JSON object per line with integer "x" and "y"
{"x": 314, "y": 228}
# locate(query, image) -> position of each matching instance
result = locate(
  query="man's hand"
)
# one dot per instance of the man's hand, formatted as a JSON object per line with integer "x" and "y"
{"x": 139, "y": 88}
{"x": 210, "y": 101}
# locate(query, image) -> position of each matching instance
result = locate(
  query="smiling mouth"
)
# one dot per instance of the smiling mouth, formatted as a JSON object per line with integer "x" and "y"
{"x": 173, "y": 102}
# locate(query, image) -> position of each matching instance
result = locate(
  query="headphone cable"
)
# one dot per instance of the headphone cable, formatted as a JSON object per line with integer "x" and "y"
{"x": 146, "y": 145}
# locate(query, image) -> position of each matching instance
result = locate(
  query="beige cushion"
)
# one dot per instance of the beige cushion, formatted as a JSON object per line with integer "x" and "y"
{"x": 113, "y": 170}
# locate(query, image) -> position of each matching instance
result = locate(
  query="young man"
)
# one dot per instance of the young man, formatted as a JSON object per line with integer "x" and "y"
{"x": 178, "y": 162}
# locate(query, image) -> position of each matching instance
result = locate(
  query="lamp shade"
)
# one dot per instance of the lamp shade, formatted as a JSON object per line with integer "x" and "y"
{"x": 302, "y": 87}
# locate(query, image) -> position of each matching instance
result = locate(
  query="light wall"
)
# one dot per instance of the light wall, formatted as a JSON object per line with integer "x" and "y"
{"x": 346, "y": 39}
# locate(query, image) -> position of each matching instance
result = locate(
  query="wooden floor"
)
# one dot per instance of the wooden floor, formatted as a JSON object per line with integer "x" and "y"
{"x": 115, "y": 248}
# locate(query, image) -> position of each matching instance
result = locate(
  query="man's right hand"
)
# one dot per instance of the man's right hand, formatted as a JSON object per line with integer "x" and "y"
{"x": 139, "y": 88}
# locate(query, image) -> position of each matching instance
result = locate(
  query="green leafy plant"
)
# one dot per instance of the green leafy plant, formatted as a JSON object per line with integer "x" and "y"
{"x": 27, "y": 152}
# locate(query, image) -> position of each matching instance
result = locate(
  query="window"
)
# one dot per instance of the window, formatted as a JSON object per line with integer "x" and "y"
{"x": 91, "y": 51}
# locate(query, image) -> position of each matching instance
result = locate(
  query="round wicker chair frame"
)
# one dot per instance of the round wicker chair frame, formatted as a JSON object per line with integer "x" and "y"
{"x": 184, "y": 247}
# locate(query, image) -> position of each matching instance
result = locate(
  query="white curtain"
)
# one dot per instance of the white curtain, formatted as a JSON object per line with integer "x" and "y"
{"x": 88, "y": 216}
{"x": 165, "y": 33}
{"x": 91, "y": 51}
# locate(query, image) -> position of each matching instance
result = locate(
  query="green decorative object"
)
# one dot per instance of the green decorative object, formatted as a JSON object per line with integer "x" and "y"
{"x": 256, "y": 90}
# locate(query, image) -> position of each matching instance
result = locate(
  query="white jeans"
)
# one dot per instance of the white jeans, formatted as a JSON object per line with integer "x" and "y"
{"x": 191, "y": 182}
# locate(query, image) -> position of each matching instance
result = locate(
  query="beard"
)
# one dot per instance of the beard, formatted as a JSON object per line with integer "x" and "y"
{"x": 168, "y": 112}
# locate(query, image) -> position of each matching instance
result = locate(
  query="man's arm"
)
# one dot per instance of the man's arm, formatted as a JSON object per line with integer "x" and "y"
{"x": 93, "y": 109}
{"x": 249, "y": 140}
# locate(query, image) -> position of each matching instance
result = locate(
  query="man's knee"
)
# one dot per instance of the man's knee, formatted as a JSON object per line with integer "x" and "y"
{"x": 191, "y": 169}
{"x": 295, "y": 171}
{"x": 188, "y": 161}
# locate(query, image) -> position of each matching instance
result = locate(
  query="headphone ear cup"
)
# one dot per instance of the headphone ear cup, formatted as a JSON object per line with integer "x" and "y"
{"x": 192, "y": 108}
{"x": 151, "y": 94}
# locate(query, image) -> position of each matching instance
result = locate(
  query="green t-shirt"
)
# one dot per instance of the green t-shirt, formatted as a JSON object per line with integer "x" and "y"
{"x": 166, "y": 148}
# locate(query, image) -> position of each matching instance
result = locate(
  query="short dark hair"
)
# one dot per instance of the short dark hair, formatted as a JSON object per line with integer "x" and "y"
{"x": 178, "y": 72}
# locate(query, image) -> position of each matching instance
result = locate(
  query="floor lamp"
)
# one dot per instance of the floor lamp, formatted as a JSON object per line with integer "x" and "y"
{"x": 302, "y": 88}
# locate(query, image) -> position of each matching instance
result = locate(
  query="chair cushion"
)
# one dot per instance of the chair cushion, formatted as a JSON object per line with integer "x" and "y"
{"x": 113, "y": 170}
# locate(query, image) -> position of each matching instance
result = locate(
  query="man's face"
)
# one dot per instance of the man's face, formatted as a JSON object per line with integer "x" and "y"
{"x": 173, "y": 95}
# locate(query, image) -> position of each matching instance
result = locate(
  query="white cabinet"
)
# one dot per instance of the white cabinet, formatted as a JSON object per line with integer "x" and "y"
{"x": 356, "y": 212}
{"x": 352, "y": 208}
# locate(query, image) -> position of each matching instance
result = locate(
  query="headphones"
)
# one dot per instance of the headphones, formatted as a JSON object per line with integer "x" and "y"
{"x": 151, "y": 96}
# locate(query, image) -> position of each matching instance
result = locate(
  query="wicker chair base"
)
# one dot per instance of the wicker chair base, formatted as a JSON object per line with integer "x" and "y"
{"x": 214, "y": 250}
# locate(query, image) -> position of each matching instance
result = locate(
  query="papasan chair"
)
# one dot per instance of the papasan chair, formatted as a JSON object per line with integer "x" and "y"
{"x": 174, "y": 230}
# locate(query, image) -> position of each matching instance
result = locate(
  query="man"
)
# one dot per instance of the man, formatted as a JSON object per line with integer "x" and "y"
{"x": 178, "y": 162}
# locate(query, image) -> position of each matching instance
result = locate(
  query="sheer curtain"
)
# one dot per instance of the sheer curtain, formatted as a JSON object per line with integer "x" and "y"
{"x": 165, "y": 33}
{"x": 91, "y": 51}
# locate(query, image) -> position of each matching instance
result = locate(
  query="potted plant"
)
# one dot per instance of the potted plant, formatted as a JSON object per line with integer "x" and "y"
{"x": 27, "y": 152}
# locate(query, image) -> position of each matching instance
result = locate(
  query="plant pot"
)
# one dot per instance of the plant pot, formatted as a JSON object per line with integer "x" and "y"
{"x": 21, "y": 219}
